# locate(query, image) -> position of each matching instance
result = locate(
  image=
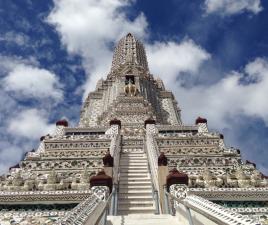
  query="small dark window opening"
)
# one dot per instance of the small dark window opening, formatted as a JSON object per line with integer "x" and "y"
{"x": 130, "y": 79}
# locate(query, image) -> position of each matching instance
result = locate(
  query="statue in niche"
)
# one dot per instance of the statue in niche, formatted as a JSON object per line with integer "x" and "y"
{"x": 130, "y": 88}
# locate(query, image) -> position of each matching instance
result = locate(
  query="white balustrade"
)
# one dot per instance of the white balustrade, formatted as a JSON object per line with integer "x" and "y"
{"x": 152, "y": 154}
{"x": 89, "y": 211}
{"x": 197, "y": 210}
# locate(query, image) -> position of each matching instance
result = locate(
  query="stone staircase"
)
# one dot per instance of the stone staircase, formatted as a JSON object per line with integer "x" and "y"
{"x": 142, "y": 219}
{"x": 135, "y": 187}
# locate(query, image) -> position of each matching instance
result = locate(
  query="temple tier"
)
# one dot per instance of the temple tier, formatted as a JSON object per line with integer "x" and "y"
{"x": 132, "y": 154}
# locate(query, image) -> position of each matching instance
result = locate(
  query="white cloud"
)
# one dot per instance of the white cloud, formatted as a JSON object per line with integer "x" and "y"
{"x": 228, "y": 98}
{"x": 90, "y": 27}
{"x": 169, "y": 59}
{"x": 18, "y": 38}
{"x": 30, "y": 123}
{"x": 229, "y": 7}
{"x": 10, "y": 156}
{"x": 30, "y": 81}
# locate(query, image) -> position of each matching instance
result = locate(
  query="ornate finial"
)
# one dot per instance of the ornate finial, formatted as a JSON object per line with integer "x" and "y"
{"x": 162, "y": 160}
{"x": 200, "y": 120}
{"x": 62, "y": 122}
{"x": 176, "y": 177}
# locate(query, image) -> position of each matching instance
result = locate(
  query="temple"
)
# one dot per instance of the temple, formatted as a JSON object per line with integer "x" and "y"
{"x": 131, "y": 159}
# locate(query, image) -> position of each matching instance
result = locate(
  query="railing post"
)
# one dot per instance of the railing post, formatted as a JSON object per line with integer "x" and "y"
{"x": 166, "y": 202}
{"x": 157, "y": 211}
{"x": 111, "y": 209}
{"x": 116, "y": 201}
{"x": 151, "y": 150}
{"x": 189, "y": 215}
{"x": 162, "y": 171}
{"x": 115, "y": 149}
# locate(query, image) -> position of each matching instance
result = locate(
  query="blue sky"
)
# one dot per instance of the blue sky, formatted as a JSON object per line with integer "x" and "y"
{"x": 212, "y": 54}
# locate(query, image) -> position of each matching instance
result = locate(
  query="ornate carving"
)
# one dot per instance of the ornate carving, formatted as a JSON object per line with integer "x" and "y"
{"x": 179, "y": 191}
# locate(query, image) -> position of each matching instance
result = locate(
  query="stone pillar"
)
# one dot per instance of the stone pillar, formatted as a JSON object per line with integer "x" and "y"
{"x": 162, "y": 175}
{"x": 221, "y": 141}
{"x": 176, "y": 177}
{"x": 202, "y": 125}
{"x": 41, "y": 147}
{"x": 101, "y": 179}
{"x": 115, "y": 126}
{"x": 60, "y": 125}
{"x": 108, "y": 162}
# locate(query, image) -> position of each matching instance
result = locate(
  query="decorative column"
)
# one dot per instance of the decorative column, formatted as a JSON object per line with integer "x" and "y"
{"x": 108, "y": 163}
{"x": 162, "y": 174}
{"x": 41, "y": 147}
{"x": 60, "y": 125}
{"x": 101, "y": 179}
{"x": 114, "y": 149}
{"x": 176, "y": 177}
{"x": 202, "y": 124}
{"x": 221, "y": 142}
{"x": 152, "y": 154}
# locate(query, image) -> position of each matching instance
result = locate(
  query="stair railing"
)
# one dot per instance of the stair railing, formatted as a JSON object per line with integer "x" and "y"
{"x": 92, "y": 211}
{"x": 197, "y": 210}
{"x": 115, "y": 149}
{"x": 152, "y": 153}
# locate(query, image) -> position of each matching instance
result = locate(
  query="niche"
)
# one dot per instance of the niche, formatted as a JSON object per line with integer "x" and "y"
{"x": 130, "y": 79}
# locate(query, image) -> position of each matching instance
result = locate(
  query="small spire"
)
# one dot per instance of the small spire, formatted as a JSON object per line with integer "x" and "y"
{"x": 129, "y": 50}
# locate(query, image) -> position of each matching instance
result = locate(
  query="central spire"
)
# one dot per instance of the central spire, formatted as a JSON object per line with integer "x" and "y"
{"x": 129, "y": 51}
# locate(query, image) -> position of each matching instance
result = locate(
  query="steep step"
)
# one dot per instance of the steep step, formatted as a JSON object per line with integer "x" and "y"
{"x": 135, "y": 187}
{"x": 133, "y": 164}
{"x": 132, "y": 167}
{"x": 126, "y": 186}
{"x": 144, "y": 219}
{"x": 134, "y": 160}
{"x": 139, "y": 209}
{"x": 131, "y": 175}
{"x": 126, "y": 172}
{"x": 140, "y": 198}
{"x": 135, "y": 183}
{"x": 133, "y": 179}
{"x": 132, "y": 157}
{"x": 135, "y": 202}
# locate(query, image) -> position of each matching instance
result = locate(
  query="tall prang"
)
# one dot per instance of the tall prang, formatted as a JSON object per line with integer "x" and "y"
{"x": 132, "y": 157}
{"x": 130, "y": 91}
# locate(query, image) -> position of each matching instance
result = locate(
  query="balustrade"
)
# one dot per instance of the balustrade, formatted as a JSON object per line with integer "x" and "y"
{"x": 193, "y": 209}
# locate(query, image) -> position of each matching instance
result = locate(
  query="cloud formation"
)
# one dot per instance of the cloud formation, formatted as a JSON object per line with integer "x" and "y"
{"x": 89, "y": 28}
{"x": 30, "y": 123}
{"x": 26, "y": 79}
{"x": 238, "y": 93}
{"x": 27, "y": 93}
{"x": 30, "y": 81}
{"x": 230, "y": 7}
{"x": 169, "y": 59}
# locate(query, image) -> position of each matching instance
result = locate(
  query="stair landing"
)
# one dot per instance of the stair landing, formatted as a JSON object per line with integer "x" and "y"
{"x": 142, "y": 219}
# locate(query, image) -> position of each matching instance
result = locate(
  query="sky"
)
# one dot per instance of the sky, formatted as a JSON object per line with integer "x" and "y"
{"x": 212, "y": 54}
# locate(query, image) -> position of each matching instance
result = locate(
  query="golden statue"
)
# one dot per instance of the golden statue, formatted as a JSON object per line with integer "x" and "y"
{"x": 130, "y": 89}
